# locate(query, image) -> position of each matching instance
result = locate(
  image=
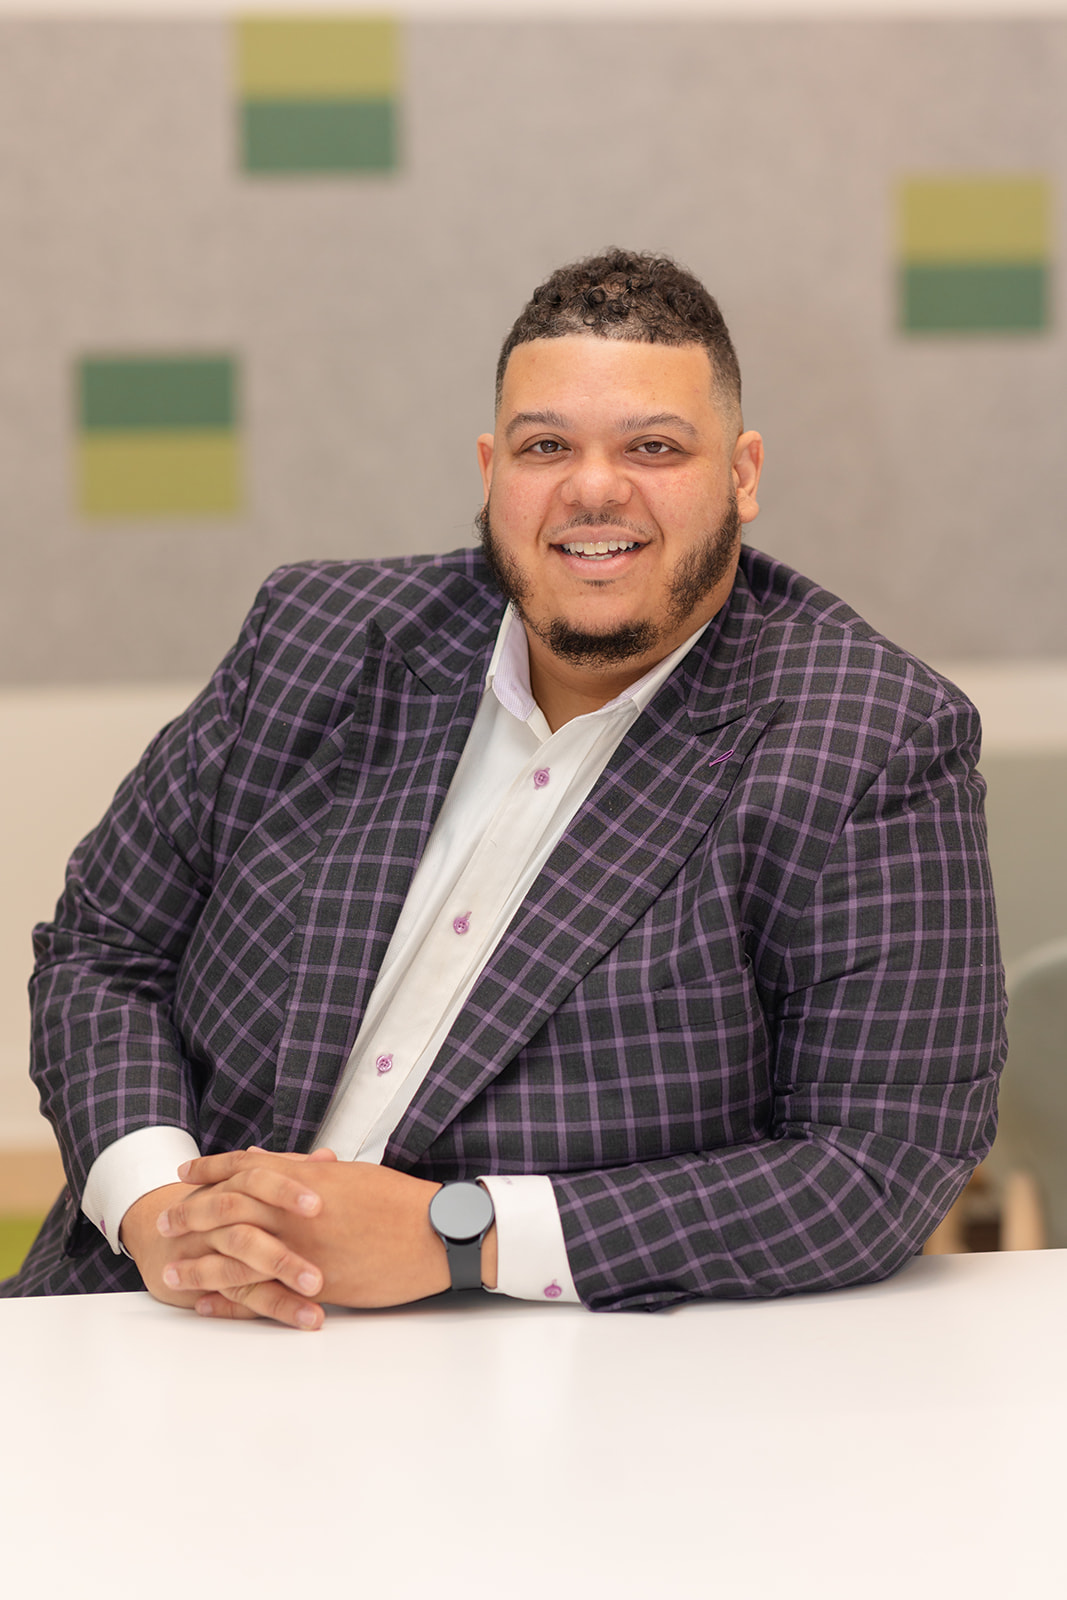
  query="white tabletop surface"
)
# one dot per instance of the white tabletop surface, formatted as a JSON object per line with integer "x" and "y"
{"x": 902, "y": 1440}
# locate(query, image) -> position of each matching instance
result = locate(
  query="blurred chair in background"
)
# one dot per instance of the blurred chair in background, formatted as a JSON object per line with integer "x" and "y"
{"x": 1017, "y": 1199}
{"x": 1028, "y": 1163}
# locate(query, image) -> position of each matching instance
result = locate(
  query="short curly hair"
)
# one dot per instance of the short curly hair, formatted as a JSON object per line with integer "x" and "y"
{"x": 626, "y": 294}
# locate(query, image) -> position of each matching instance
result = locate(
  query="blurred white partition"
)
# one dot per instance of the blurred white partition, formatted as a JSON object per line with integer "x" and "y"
{"x": 65, "y": 751}
{"x": 1024, "y": 758}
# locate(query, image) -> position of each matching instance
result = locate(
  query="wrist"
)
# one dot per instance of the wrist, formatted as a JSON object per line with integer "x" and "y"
{"x": 489, "y": 1259}
{"x": 137, "y": 1230}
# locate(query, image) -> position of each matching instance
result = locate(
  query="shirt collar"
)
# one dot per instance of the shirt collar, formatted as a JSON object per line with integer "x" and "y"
{"x": 509, "y": 672}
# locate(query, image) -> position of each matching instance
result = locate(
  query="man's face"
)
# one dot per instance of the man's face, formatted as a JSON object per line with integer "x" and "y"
{"x": 614, "y": 497}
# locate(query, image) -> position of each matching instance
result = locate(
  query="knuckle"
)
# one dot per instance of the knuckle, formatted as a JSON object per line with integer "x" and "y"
{"x": 284, "y": 1266}
{"x": 241, "y": 1238}
{"x": 280, "y": 1304}
{"x": 192, "y": 1274}
{"x": 270, "y": 1299}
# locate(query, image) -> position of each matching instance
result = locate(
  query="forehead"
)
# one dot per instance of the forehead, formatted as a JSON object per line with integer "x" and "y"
{"x": 605, "y": 379}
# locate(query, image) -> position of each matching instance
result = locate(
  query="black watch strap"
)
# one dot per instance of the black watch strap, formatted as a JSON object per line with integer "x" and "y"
{"x": 461, "y": 1215}
{"x": 465, "y": 1264}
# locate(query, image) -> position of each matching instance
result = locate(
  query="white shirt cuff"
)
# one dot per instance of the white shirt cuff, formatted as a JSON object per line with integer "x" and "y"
{"x": 129, "y": 1168}
{"x": 531, "y": 1256}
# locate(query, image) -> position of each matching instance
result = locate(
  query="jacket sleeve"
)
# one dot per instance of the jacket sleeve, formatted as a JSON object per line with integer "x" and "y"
{"x": 885, "y": 1002}
{"x": 106, "y": 1057}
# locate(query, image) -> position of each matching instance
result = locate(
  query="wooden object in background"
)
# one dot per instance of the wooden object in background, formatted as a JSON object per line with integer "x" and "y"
{"x": 29, "y": 1181}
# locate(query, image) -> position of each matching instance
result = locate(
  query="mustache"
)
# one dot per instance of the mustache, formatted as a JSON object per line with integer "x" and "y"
{"x": 598, "y": 519}
{"x": 581, "y": 519}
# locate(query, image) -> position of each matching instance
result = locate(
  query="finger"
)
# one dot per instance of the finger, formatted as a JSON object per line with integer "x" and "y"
{"x": 212, "y": 1169}
{"x": 238, "y": 1199}
{"x": 325, "y": 1154}
{"x": 217, "y": 1168}
{"x": 273, "y": 1300}
{"x": 217, "y": 1305}
{"x": 242, "y": 1255}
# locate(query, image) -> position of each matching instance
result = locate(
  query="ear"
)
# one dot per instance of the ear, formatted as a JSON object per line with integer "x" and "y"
{"x": 485, "y": 460}
{"x": 747, "y": 465}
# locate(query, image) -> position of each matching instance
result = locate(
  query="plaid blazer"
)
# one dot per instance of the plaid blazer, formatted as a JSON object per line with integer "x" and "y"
{"x": 749, "y": 1017}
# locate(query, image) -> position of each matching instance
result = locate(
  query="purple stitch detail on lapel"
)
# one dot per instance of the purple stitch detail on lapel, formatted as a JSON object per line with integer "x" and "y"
{"x": 714, "y": 762}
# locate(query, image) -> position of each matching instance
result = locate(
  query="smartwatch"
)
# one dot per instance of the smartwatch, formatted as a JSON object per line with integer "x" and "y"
{"x": 461, "y": 1215}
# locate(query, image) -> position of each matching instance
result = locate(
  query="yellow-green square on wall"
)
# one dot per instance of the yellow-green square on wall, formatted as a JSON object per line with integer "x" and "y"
{"x": 318, "y": 95}
{"x": 974, "y": 254}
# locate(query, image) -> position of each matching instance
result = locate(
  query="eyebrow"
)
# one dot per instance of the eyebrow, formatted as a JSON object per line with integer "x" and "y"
{"x": 535, "y": 419}
{"x": 636, "y": 424}
{"x": 661, "y": 419}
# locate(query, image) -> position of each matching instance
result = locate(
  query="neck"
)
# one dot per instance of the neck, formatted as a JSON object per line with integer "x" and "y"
{"x": 564, "y": 690}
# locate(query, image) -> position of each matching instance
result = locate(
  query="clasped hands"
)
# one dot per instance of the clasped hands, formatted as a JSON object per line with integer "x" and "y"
{"x": 254, "y": 1233}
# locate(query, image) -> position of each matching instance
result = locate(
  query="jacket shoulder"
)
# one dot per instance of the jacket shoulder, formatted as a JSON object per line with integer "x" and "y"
{"x": 394, "y": 590}
{"x": 312, "y": 620}
{"x": 815, "y": 650}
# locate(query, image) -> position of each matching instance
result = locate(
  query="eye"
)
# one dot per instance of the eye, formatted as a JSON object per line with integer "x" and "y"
{"x": 653, "y": 447}
{"x": 545, "y": 447}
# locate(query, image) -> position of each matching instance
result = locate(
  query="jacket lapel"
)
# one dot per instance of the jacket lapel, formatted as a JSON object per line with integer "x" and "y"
{"x": 417, "y": 701}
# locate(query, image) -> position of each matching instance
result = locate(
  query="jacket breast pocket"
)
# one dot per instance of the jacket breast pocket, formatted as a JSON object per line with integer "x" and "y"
{"x": 702, "y": 1010}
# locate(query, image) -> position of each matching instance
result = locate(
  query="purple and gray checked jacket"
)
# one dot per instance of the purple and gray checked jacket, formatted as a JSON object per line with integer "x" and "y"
{"x": 749, "y": 1018}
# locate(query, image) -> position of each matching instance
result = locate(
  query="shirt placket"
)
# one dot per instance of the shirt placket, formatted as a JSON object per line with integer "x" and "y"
{"x": 457, "y": 946}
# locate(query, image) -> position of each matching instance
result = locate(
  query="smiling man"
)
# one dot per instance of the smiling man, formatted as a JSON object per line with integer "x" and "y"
{"x": 603, "y": 915}
{"x": 616, "y": 485}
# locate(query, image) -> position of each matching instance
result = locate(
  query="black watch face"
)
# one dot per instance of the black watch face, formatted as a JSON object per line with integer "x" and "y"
{"x": 461, "y": 1211}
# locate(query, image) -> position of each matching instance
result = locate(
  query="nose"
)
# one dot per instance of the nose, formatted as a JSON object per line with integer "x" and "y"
{"x": 595, "y": 481}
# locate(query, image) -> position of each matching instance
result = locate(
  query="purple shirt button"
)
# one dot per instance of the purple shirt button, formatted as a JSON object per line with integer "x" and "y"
{"x": 541, "y": 777}
{"x": 553, "y": 1291}
{"x": 384, "y": 1064}
{"x": 462, "y": 924}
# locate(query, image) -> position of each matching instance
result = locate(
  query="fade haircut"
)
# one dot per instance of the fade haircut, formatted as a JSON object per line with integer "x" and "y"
{"x": 625, "y": 294}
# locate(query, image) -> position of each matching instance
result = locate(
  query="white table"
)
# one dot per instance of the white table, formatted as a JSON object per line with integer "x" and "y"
{"x": 902, "y": 1440}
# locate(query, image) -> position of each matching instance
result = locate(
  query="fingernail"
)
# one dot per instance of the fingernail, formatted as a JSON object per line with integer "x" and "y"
{"x": 183, "y": 1170}
{"x": 308, "y": 1282}
{"x": 306, "y": 1319}
{"x": 307, "y": 1203}
{"x": 204, "y": 1308}
{"x": 170, "y": 1277}
{"x": 163, "y": 1222}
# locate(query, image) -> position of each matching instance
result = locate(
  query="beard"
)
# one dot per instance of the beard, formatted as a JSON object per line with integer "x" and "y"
{"x": 698, "y": 573}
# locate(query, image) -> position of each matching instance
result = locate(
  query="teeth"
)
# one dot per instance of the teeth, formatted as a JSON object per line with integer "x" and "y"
{"x": 599, "y": 547}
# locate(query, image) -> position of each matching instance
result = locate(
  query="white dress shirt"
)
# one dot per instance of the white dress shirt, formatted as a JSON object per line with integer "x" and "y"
{"x": 516, "y": 788}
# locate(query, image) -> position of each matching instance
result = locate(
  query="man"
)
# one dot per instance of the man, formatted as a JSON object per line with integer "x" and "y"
{"x": 653, "y": 908}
